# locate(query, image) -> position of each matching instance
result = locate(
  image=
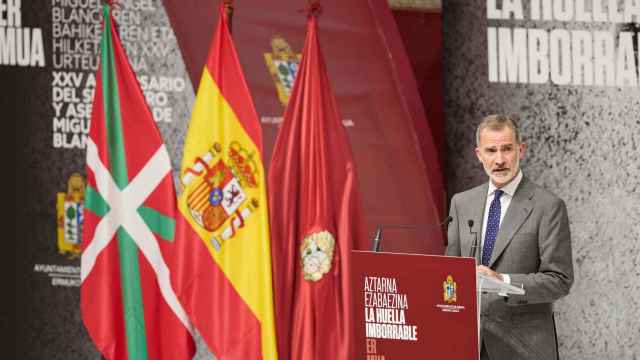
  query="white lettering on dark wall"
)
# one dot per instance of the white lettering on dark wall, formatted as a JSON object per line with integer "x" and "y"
{"x": 76, "y": 31}
{"x": 576, "y": 57}
{"x": 19, "y": 45}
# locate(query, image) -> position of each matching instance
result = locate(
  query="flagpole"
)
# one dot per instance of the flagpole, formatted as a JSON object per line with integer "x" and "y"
{"x": 228, "y": 9}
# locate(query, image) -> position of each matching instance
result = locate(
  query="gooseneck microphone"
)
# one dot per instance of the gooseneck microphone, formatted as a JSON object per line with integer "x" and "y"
{"x": 474, "y": 246}
{"x": 377, "y": 238}
{"x": 446, "y": 221}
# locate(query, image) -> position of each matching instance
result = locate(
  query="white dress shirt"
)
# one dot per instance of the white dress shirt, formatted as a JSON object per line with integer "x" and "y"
{"x": 505, "y": 200}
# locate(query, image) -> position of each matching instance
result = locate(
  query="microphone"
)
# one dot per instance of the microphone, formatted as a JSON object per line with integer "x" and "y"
{"x": 474, "y": 246}
{"x": 446, "y": 220}
{"x": 377, "y": 238}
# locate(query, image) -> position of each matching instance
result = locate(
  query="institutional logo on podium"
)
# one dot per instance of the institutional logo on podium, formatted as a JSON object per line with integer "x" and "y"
{"x": 449, "y": 290}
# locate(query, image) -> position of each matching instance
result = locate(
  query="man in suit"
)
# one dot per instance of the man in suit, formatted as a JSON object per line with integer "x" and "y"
{"x": 524, "y": 239}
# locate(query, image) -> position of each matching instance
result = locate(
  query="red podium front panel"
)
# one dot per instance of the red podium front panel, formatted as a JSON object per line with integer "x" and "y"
{"x": 410, "y": 306}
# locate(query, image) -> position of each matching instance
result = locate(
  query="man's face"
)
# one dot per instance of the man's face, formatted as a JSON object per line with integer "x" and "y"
{"x": 500, "y": 154}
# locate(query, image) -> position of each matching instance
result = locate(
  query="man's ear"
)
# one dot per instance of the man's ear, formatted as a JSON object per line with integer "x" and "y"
{"x": 477, "y": 151}
{"x": 523, "y": 148}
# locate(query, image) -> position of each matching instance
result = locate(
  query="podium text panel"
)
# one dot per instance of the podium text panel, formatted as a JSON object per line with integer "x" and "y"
{"x": 410, "y": 306}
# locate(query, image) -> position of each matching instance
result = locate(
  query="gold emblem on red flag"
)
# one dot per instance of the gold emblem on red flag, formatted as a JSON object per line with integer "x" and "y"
{"x": 316, "y": 252}
{"x": 216, "y": 195}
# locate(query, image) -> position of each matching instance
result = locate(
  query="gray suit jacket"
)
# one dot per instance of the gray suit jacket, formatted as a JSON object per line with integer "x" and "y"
{"x": 533, "y": 246}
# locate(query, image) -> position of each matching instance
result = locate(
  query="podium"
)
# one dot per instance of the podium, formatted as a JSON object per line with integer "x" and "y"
{"x": 412, "y": 306}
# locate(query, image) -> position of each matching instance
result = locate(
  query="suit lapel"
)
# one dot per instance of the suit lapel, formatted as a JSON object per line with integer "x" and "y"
{"x": 518, "y": 211}
{"x": 479, "y": 200}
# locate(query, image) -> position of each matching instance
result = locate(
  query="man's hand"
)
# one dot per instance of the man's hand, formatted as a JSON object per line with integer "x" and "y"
{"x": 488, "y": 272}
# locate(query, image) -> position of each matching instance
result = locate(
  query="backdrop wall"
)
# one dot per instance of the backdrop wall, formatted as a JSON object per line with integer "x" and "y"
{"x": 571, "y": 74}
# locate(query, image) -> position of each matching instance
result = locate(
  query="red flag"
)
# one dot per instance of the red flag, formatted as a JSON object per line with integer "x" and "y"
{"x": 315, "y": 218}
{"x": 128, "y": 305}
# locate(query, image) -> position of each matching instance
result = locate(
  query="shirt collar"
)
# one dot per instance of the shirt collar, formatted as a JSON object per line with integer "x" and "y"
{"x": 508, "y": 189}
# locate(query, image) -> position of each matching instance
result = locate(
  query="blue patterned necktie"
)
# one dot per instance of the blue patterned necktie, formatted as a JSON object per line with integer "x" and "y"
{"x": 493, "y": 225}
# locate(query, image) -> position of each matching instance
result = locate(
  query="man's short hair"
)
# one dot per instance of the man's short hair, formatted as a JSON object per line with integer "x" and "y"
{"x": 498, "y": 122}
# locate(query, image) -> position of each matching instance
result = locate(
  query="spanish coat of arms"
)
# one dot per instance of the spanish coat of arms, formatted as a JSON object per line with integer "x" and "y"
{"x": 216, "y": 184}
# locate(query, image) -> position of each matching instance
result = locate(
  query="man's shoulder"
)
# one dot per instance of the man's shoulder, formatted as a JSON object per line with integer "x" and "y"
{"x": 472, "y": 194}
{"x": 527, "y": 186}
{"x": 539, "y": 193}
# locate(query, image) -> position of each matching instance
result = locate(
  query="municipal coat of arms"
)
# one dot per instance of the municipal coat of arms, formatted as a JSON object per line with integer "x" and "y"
{"x": 69, "y": 208}
{"x": 216, "y": 184}
{"x": 449, "y": 290}
{"x": 283, "y": 66}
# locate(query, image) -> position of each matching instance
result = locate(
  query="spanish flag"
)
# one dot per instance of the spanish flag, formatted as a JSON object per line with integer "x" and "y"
{"x": 223, "y": 271}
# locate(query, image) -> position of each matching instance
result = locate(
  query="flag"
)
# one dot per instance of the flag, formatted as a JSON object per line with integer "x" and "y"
{"x": 128, "y": 305}
{"x": 315, "y": 217}
{"x": 224, "y": 276}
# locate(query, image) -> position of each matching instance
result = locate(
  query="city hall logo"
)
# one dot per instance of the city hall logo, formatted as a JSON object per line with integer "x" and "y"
{"x": 283, "y": 65}
{"x": 69, "y": 208}
{"x": 449, "y": 290}
{"x": 217, "y": 198}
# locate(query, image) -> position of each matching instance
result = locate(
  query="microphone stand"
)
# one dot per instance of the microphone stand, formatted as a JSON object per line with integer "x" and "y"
{"x": 473, "y": 252}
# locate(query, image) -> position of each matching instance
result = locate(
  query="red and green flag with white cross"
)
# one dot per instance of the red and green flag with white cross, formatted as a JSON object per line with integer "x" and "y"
{"x": 128, "y": 304}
